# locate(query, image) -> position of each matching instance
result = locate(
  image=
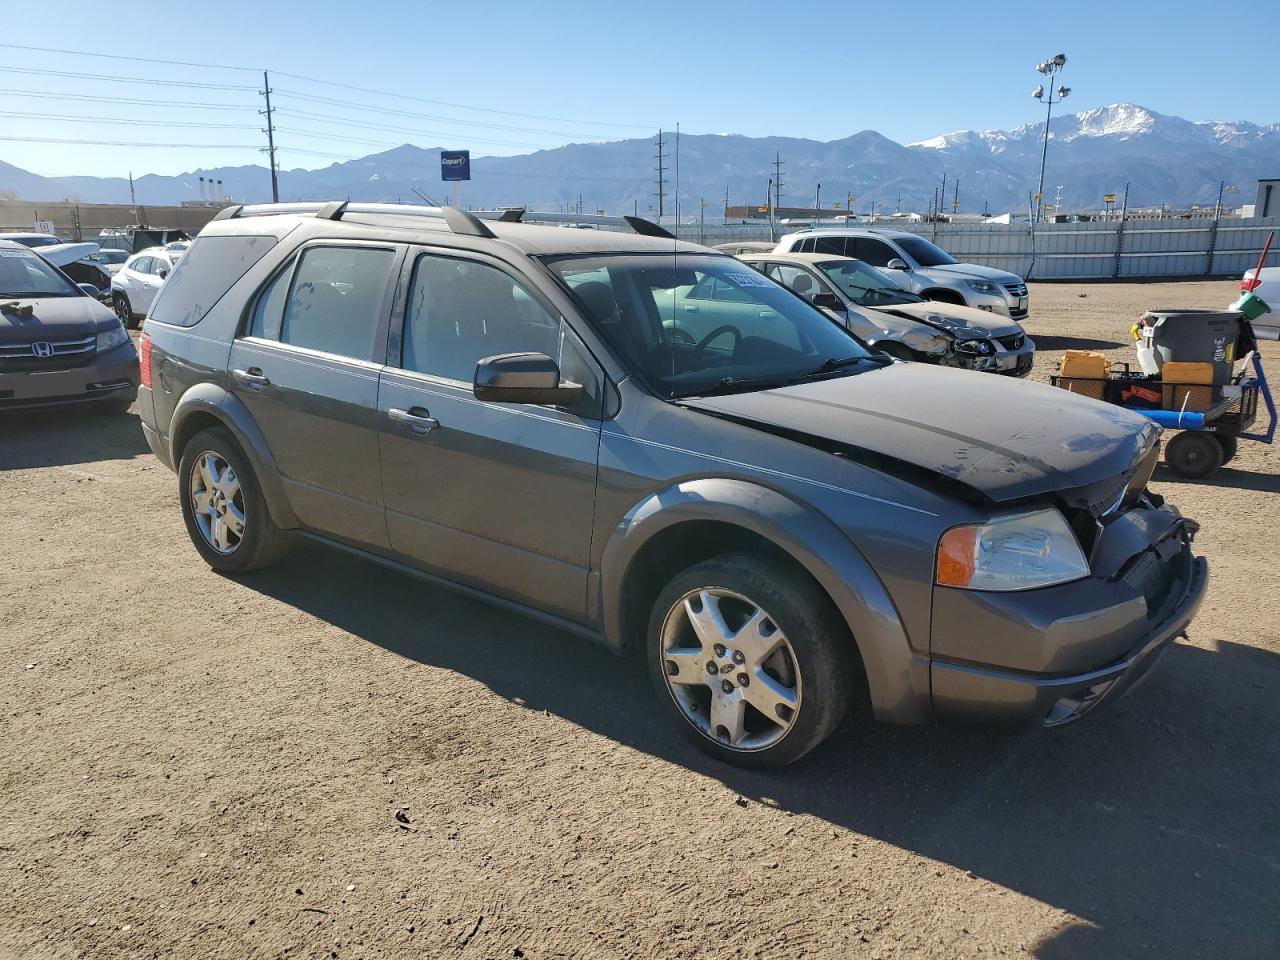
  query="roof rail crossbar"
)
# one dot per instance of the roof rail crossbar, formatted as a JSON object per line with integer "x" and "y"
{"x": 647, "y": 228}
{"x": 464, "y": 223}
{"x": 333, "y": 210}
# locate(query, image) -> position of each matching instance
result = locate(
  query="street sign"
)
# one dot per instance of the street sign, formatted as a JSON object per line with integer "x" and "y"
{"x": 455, "y": 165}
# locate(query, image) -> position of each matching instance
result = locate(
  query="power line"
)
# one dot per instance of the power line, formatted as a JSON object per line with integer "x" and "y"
{"x": 186, "y": 104}
{"x": 107, "y": 78}
{"x": 321, "y": 118}
{"x": 461, "y": 106}
{"x": 331, "y": 101}
{"x": 115, "y": 56}
{"x": 130, "y": 143}
{"x": 67, "y": 118}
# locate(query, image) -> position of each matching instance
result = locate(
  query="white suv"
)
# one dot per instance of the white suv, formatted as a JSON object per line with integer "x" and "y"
{"x": 921, "y": 267}
{"x": 137, "y": 282}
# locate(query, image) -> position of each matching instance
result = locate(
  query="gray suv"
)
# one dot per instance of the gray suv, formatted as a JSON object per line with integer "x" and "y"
{"x": 783, "y": 520}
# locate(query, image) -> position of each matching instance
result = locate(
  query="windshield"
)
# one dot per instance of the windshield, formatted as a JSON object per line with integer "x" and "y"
{"x": 697, "y": 324}
{"x": 866, "y": 286}
{"x": 23, "y": 274}
{"x": 108, "y": 256}
{"x": 923, "y": 252}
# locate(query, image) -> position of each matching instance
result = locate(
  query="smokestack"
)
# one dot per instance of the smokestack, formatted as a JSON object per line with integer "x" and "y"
{"x": 202, "y": 189}
{"x": 222, "y": 196}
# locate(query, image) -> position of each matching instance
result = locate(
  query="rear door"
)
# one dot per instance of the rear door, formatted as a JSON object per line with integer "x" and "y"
{"x": 497, "y": 495}
{"x": 307, "y": 365}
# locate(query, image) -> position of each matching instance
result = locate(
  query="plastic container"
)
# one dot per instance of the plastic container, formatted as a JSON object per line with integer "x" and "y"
{"x": 1190, "y": 336}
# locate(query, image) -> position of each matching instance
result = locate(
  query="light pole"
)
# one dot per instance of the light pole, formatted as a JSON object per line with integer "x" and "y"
{"x": 1050, "y": 68}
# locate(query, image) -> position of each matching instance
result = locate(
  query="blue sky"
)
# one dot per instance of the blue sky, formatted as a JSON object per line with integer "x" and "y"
{"x": 552, "y": 72}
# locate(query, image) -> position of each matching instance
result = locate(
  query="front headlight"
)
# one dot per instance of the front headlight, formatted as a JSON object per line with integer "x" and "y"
{"x": 982, "y": 286}
{"x": 980, "y": 347}
{"x": 110, "y": 339}
{"x": 1018, "y": 552}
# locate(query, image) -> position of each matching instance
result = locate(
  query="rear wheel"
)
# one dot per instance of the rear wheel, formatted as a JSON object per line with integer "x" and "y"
{"x": 123, "y": 309}
{"x": 222, "y": 504}
{"x": 751, "y": 659}
{"x": 1194, "y": 454}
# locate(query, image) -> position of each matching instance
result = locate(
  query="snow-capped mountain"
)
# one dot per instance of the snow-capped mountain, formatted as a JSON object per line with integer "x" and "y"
{"x": 1165, "y": 159}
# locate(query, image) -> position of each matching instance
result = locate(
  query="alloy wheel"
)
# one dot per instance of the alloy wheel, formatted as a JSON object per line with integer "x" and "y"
{"x": 217, "y": 502}
{"x": 730, "y": 669}
{"x": 122, "y": 310}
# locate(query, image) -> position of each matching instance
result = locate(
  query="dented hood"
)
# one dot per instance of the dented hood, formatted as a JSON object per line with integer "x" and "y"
{"x": 1006, "y": 438}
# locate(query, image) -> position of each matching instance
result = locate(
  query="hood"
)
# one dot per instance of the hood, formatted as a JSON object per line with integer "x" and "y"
{"x": 973, "y": 271}
{"x": 55, "y": 318}
{"x": 60, "y": 254}
{"x": 1007, "y": 439}
{"x": 963, "y": 323}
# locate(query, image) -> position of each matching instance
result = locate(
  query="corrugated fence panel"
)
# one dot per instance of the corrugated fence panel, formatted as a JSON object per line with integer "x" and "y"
{"x": 1070, "y": 251}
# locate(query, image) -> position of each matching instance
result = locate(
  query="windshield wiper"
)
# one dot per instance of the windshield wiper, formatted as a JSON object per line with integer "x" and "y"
{"x": 837, "y": 363}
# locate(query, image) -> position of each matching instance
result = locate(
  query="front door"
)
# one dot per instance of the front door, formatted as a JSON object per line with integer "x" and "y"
{"x": 499, "y": 496}
{"x": 307, "y": 368}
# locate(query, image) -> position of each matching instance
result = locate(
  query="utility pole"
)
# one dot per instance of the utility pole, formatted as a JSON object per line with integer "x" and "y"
{"x": 777, "y": 181}
{"x": 133, "y": 200}
{"x": 271, "y": 137}
{"x": 899, "y": 208}
{"x": 942, "y": 197}
{"x": 848, "y": 205}
{"x": 662, "y": 174}
{"x": 726, "y": 204}
{"x": 817, "y": 205}
{"x": 955, "y": 199}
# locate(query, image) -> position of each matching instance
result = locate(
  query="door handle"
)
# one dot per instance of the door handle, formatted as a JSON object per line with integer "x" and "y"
{"x": 690, "y": 308}
{"x": 252, "y": 378}
{"x": 417, "y": 420}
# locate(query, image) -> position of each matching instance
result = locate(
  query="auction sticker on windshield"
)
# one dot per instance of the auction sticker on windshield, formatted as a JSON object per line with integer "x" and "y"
{"x": 749, "y": 279}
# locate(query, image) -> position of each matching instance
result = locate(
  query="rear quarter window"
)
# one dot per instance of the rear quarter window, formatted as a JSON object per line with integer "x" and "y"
{"x": 210, "y": 267}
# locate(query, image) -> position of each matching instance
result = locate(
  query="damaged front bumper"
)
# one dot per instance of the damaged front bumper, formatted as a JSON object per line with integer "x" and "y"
{"x": 1053, "y": 655}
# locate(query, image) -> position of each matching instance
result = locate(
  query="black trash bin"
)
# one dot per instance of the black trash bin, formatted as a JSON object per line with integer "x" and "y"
{"x": 1191, "y": 336}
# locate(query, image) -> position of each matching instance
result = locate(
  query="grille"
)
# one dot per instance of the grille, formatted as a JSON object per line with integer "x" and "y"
{"x": 22, "y": 357}
{"x": 1011, "y": 343}
{"x": 1016, "y": 289}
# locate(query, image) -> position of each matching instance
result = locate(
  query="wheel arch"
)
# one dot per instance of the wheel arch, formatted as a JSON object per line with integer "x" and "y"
{"x": 208, "y": 405}
{"x": 677, "y": 526}
{"x": 944, "y": 295}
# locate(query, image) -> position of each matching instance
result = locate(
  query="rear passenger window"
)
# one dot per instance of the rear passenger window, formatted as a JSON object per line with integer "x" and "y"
{"x": 202, "y": 276}
{"x": 833, "y": 246}
{"x": 335, "y": 301}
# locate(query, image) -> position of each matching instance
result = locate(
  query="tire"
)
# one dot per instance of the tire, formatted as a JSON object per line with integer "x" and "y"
{"x": 118, "y": 406}
{"x": 123, "y": 309}
{"x": 1194, "y": 454}
{"x": 807, "y": 680}
{"x": 259, "y": 542}
{"x": 1229, "y": 445}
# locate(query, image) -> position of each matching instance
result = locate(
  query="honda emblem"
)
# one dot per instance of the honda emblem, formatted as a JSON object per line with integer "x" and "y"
{"x": 42, "y": 348}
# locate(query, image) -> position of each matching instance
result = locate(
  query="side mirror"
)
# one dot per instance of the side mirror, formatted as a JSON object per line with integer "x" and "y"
{"x": 164, "y": 272}
{"x": 523, "y": 378}
{"x": 826, "y": 300}
{"x": 897, "y": 263}
{"x": 90, "y": 290}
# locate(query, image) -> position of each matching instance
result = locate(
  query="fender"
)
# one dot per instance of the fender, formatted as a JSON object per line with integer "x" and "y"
{"x": 210, "y": 398}
{"x": 898, "y": 678}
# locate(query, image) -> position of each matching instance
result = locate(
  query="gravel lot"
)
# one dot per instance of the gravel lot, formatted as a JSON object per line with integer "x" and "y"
{"x": 209, "y": 768}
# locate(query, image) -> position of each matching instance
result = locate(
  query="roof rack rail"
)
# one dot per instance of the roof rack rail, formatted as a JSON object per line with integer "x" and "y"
{"x": 458, "y": 220}
{"x": 639, "y": 225}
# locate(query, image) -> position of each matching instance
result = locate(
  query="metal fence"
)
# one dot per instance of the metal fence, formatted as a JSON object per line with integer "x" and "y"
{"x": 1099, "y": 250}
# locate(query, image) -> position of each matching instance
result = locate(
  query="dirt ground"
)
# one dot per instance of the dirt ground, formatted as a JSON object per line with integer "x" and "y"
{"x": 200, "y": 767}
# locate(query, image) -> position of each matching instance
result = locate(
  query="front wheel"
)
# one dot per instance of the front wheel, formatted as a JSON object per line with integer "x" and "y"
{"x": 223, "y": 507}
{"x": 751, "y": 659}
{"x": 123, "y": 309}
{"x": 1194, "y": 454}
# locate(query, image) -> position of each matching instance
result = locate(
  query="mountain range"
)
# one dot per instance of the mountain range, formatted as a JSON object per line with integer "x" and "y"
{"x": 1166, "y": 159}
